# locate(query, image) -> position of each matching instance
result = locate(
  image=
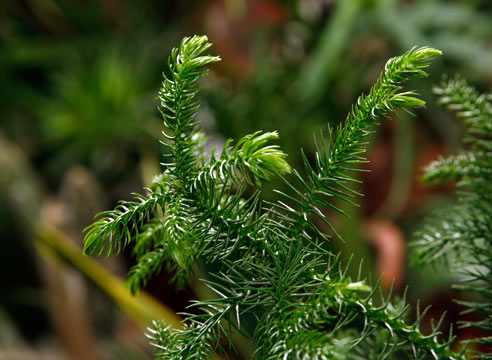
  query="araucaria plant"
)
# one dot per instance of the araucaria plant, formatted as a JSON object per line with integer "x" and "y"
{"x": 274, "y": 280}
{"x": 460, "y": 237}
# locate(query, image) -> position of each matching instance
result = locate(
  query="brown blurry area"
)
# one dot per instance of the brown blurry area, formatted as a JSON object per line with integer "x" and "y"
{"x": 233, "y": 24}
{"x": 390, "y": 246}
{"x": 67, "y": 293}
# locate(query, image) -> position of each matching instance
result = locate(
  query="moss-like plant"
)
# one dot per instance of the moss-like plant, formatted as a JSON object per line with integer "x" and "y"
{"x": 460, "y": 237}
{"x": 275, "y": 281}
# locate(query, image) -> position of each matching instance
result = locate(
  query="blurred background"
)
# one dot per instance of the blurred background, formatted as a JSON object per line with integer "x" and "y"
{"x": 79, "y": 130}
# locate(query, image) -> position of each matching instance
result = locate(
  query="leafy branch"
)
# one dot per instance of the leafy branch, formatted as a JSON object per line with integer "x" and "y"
{"x": 275, "y": 282}
{"x": 334, "y": 162}
{"x": 171, "y": 223}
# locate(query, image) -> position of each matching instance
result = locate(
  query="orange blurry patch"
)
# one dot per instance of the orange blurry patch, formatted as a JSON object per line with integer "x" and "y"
{"x": 390, "y": 246}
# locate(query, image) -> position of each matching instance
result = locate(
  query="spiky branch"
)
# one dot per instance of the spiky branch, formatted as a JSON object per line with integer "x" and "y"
{"x": 274, "y": 282}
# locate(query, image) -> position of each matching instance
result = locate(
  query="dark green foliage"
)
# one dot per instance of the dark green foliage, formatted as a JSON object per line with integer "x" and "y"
{"x": 462, "y": 236}
{"x": 200, "y": 205}
{"x": 275, "y": 282}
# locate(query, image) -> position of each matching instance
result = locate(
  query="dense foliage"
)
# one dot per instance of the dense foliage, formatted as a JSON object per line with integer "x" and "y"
{"x": 275, "y": 282}
{"x": 460, "y": 237}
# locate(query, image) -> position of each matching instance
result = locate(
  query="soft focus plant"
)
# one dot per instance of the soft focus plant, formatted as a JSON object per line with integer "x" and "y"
{"x": 460, "y": 236}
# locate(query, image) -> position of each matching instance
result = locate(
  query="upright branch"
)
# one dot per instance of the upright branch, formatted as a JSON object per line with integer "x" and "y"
{"x": 334, "y": 161}
{"x": 177, "y": 106}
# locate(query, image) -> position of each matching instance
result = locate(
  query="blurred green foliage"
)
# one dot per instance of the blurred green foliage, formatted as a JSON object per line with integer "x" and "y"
{"x": 99, "y": 110}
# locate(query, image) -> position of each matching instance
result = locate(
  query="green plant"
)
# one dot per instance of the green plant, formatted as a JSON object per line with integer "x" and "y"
{"x": 275, "y": 281}
{"x": 461, "y": 237}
